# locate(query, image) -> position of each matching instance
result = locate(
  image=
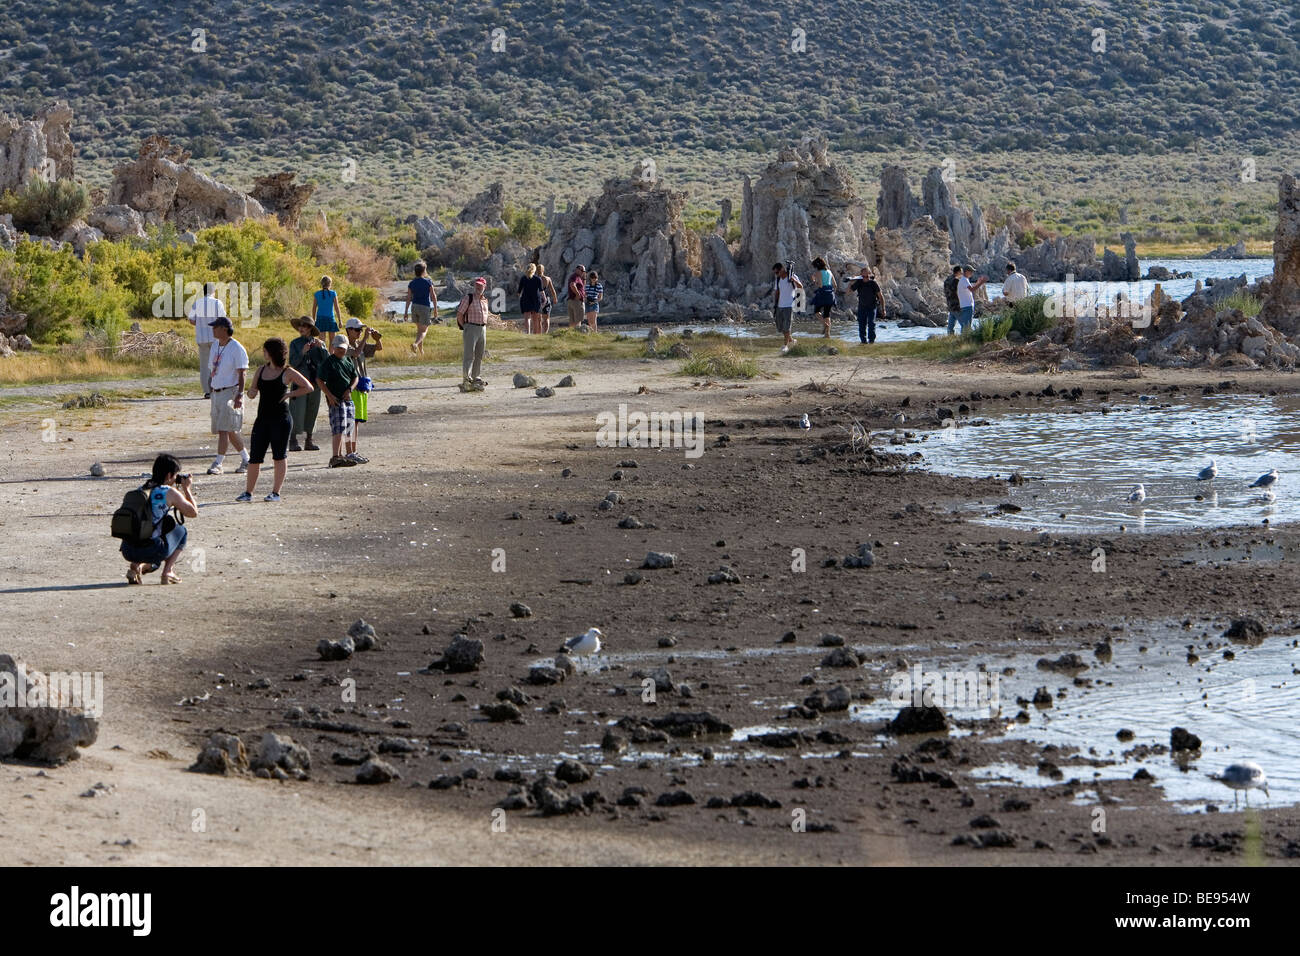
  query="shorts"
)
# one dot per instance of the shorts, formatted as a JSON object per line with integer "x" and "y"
{"x": 784, "y": 319}
{"x": 342, "y": 417}
{"x": 159, "y": 549}
{"x": 422, "y": 314}
{"x": 360, "y": 402}
{"x": 224, "y": 417}
{"x": 270, "y": 433}
{"x": 326, "y": 324}
{"x": 593, "y": 308}
{"x": 575, "y": 311}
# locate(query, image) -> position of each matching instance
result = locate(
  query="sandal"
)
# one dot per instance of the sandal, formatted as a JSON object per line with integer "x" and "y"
{"x": 133, "y": 576}
{"x": 170, "y": 579}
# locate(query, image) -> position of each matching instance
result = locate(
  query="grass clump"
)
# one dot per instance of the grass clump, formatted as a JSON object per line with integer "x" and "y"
{"x": 46, "y": 208}
{"x": 1244, "y": 301}
{"x": 989, "y": 328}
{"x": 720, "y": 361}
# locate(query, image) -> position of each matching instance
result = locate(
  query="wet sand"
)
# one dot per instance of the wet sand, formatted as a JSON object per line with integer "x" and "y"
{"x": 407, "y": 543}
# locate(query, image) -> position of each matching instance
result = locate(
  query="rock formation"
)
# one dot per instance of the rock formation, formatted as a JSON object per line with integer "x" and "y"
{"x": 1281, "y": 307}
{"x": 802, "y": 205}
{"x": 39, "y": 148}
{"x": 633, "y": 233}
{"x": 279, "y": 194}
{"x": 163, "y": 188}
{"x": 488, "y": 208}
{"x": 117, "y": 222}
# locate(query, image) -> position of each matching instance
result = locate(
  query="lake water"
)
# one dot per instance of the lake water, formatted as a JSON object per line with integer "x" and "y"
{"x": 1080, "y": 466}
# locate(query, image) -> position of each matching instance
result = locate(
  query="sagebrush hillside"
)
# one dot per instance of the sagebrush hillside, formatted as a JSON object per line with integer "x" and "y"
{"x": 328, "y": 76}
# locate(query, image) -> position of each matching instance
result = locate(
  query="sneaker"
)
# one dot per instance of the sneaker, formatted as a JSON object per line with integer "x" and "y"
{"x": 481, "y": 383}
{"x": 311, "y": 446}
{"x": 245, "y": 497}
{"x": 784, "y": 349}
{"x": 272, "y": 497}
{"x": 215, "y": 470}
{"x": 293, "y": 445}
{"x": 356, "y": 459}
{"x": 243, "y": 467}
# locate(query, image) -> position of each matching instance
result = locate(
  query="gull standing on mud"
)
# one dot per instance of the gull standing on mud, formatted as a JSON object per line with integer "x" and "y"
{"x": 1138, "y": 494}
{"x": 1209, "y": 471}
{"x": 588, "y": 643}
{"x": 1266, "y": 480}
{"x": 1246, "y": 775}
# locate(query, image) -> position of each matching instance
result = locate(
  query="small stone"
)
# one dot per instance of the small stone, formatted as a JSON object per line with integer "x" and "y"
{"x": 631, "y": 523}
{"x": 501, "y": 712}
{"x": 570, "y": 771}
{"x": 632, "y": 577}
{"x": 545, "y": 392}
{"x": 656, "y": 560}
{"x": 518, "y": 609}
{"x": 97, "y": 470}
{"x": 397, "y": 409}
{"x": 363, "y": 636}
{"x": 376, "y": 771}
{"x": 524, "y": 381}
{"x": 566, "y": 382}
{"x": 335, "y": 650}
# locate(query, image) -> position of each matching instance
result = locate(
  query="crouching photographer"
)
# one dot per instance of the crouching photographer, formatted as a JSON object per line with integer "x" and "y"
{"x": 151, "y": 537}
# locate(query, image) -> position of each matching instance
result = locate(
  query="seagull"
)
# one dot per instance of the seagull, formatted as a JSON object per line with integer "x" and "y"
{"x": 588, "y": 643}
{"x": 1209, "y": 471}
{"x": 804, "y": 423}
{"x": 1266, "y": 480}
{"x": 1246, "y": 775}
{"x": 1138, "y": 494}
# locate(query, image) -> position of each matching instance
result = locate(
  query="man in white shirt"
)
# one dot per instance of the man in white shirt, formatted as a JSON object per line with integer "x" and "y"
{"x": 1016, "y": 287}
{"x": 783, "y": 286}
{"x": 203, "y": 311}
{"x": 966, "y": 297}
{"x": 226, "y": 371}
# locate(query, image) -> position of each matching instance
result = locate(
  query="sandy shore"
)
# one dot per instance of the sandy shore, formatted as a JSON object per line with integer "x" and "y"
{"x": 408, "y": 543}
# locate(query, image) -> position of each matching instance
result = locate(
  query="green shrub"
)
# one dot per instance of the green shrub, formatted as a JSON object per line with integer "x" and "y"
{"x": 989, "y": 328}
{"x": 525, "y": 225}
{"x": 46, "y": 209}
{"x": 1029, "y": 316}
{"x": 1247, "y": 303}
{"x": 360, "y": 301}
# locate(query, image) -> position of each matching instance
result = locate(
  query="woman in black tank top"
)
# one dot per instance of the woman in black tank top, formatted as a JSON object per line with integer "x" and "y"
{"x": 274, "y": 385}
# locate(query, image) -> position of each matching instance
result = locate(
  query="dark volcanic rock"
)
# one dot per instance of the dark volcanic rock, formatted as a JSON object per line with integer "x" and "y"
{"x": 1245, "y": 630}
{"x": 1182, "y": 739}
{"x": 918, "y": 720}
{"x": 842, "y": 657}
{"x": 463, "y": 654}
{"x": 674, "y": 798}
{"x": 570, "y": 771}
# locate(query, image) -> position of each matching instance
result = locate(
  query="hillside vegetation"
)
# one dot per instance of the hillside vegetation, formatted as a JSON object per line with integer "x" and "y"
{"x": 330, "y": 76}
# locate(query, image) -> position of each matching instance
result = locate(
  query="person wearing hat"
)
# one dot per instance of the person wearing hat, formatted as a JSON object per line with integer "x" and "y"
{"x": 337, "y": 378}
{"x": 359, "y": 335}
{"x": 306, "y": 353}
{"x": 472, "y": 317}
{"x": 227, "y": 366}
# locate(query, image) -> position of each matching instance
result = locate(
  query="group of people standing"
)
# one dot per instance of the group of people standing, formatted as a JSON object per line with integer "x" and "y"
{"x": 786, "y": 286}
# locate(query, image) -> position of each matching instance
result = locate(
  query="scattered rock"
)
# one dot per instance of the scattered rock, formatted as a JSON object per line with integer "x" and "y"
{"x": 363, "y": 636}
{"x": 501, "y": 712}
{"x": 724, "y": 575}
{"x": 566, "y": 382}
{"x": 518, "y": 609}
{"x": 222, "y": 754}
{"x": 570, "y": 771}
{"x": 918, "y": 720}
{"x": 283, "y": 753}
{"x": 376, "y": 771}
{"x": 1246, "y": 630}
{"x": 463, "y": 654}
{"x": 397, "y": 409}
{"x": 545, "y": 392}
{"x": 335, "y": 650}
{"x": 656, "y": 560}
{"x": 36, "y": 722}
{"x": 524, "y": 381}
{"x": 842, "y": 657}
{"x": 1182, "y": 739}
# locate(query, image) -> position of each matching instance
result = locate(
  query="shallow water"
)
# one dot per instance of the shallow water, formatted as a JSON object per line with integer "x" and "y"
{"x": 1245, "y": 708}
{"x": 1080, "y": 465}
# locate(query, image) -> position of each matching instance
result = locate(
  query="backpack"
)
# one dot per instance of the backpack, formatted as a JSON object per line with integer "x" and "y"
{"x": 133, "y": 521}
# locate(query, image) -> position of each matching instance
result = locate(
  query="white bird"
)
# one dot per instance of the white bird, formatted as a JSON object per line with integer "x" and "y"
{"x": 1209, "y": 471}
{"x": 1246, "y": 775}
{"x": 804, "y": 423}
{"x": 1138, "y": 494}
{"x": 1266, "y": 480}
{"x": 588, "y": 643}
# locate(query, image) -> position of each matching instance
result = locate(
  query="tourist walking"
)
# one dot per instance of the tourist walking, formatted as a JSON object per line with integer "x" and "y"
{"x": 871, "y": 304}
{"x": 336, "y": 379}
{"x": 275, "y": 385}
{"x": 325, "y": 311}
{"x": 549, "y": 298}
{"x": 531, "y": 291}
{"x": 205, "y": 308}
{"x": 784, "y": 282}
{"x": 421, "y": 304}
{"x": 824, "y": 298}
{"x": 594, "y": 292}
{"x": 577, "y": 290}
{"x": 166, "y": 489}
{"x": 228, "y": 366}
{"x": 472, "y": 316}
{"x": 306, "y": 353}
{"x": 359, "y": 349}
{"x": 1016, "y": 286}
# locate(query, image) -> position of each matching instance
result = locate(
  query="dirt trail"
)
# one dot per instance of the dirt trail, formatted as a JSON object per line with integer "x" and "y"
{"x": 407, "y": 543}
